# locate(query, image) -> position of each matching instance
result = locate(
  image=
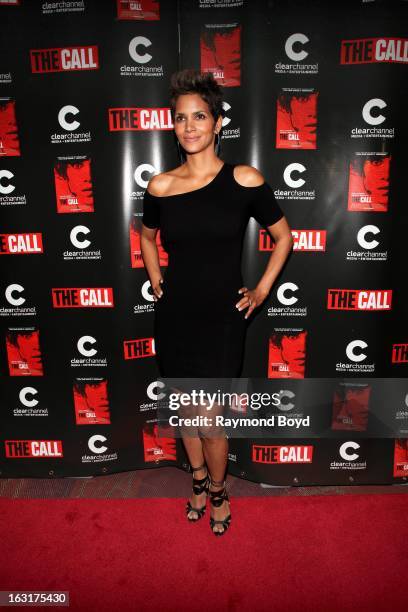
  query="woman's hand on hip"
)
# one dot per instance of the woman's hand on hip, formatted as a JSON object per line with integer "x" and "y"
{"x": 157, "y": 290}
{"x": 251, "y": 300}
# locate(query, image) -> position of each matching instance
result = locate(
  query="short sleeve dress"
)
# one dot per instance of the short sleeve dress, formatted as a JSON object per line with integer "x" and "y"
{"x": 198, "y": 330}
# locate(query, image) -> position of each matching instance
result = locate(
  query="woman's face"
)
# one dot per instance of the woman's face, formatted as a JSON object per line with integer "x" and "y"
{"x": 194, "y": 124}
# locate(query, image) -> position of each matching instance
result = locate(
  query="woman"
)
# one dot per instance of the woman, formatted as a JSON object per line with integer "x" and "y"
{"x": 202, "y": 209}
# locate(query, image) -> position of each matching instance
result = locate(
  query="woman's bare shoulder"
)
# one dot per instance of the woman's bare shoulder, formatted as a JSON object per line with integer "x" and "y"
{"x": 248, "y": 176}
{"x": 160, "y": 183}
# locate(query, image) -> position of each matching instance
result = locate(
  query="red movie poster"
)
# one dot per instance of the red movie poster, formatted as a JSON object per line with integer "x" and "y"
{"x": 401, "y": 457}
{"x": 142, "y": 10}
{"x": 73, "y": 185}
{"x": 23, "y": 352}
{"x": 296, "y": 119}
{"x": 9, "y": 140}
{"x": 135, "y": 250}
{"x": 287, "y": 354}
{"x": 157, "y": 448}
{"x": 220, "y": 47}
{"x": 369, "y": 181}
{"x": 350, "y": 407}
{"x": 91, "y": 402}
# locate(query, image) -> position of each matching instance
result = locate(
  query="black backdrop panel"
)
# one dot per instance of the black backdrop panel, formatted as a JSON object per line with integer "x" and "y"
{"x": 313, "y": 99}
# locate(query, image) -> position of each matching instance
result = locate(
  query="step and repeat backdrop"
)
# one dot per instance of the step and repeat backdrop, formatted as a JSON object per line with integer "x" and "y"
{"x": 314, "y": 97}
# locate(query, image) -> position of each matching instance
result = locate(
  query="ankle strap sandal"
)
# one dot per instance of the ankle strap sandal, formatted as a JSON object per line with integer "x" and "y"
{"x": 217, "y": 499}
{"x": 200, "y": 485}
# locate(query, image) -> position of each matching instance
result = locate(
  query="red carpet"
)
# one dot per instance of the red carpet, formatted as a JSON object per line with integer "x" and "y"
{"x": 328, "y": 553}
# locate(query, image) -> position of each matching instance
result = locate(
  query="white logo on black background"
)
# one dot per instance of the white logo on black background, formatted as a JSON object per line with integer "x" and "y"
{"x": 69, "y": 109}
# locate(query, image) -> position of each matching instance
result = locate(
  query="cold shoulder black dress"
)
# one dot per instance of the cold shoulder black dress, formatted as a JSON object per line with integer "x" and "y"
{"x": 198, "y": 330}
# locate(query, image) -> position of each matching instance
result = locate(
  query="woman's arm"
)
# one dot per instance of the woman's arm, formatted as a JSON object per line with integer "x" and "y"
{"x": 150, "y": 227}
{"x": 283, "y": 238}
{"x": 265, "y": 208}
{"x": 150, "y": 255}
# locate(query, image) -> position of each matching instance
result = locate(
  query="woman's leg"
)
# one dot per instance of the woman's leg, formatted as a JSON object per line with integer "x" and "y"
{"x": 216, "y": 454}
{"x": 194, "y": 450}
{"x": 215, "y": 449}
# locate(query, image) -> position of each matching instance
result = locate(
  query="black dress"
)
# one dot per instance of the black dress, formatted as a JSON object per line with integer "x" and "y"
{"x": 198, "y": 331}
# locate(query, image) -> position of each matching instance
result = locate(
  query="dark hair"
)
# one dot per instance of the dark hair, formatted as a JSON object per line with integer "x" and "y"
{"x": 191, "y": 80}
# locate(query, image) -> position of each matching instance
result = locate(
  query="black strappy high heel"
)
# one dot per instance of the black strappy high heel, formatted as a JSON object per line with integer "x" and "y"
{"x": 199, "y": 486}
{"x": 216, "y": 499}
